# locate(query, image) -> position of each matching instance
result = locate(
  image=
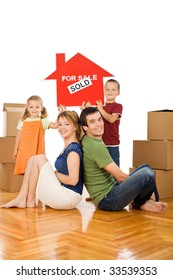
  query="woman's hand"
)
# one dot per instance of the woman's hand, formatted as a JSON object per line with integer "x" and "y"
{"x": 61, "y": 108}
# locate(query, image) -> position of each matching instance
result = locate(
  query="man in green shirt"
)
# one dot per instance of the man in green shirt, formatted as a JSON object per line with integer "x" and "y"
{"x": 108, "y": 186}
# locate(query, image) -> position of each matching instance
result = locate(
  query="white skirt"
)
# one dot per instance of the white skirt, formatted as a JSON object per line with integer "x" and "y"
{"x": 51, "y": 193}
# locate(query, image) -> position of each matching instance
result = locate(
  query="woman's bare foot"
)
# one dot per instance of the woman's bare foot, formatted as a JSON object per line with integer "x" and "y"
{"x": 153, "y": 206}
{"x": 14, "y": 203}
{"x": 31, "y": 204}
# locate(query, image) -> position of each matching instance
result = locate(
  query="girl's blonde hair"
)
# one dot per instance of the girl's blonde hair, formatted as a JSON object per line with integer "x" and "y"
{"x": 43, "y": 111}
{"x": 72, "y": 117}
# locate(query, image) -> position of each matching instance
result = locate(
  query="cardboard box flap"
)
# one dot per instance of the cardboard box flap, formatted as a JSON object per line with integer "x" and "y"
{"x": 13, "y": 107}
{"x": 160, "y": 111}
{"x": 13, "y": 112}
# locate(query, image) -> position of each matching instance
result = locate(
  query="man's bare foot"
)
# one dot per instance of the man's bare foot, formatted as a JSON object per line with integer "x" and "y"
{"x": 153, "y": 197}
{"x": 14, "y": 203}
{"x": 153, "y": 206}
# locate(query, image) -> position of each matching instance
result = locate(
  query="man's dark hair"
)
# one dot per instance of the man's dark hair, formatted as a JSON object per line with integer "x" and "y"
{"x": 85, "y": 112}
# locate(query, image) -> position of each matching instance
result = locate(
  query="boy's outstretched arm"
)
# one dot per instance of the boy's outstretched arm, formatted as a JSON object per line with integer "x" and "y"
{"x": 111, "y": 118}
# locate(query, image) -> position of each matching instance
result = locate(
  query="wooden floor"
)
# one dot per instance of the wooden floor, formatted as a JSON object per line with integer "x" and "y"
{"x": 84, "y": 233}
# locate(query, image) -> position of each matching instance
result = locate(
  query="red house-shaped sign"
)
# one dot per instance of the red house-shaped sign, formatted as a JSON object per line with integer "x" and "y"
{"x": 77, "y": 80}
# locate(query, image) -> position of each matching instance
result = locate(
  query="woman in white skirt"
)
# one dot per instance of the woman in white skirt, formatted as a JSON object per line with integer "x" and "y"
{"x": 60, "y": 189}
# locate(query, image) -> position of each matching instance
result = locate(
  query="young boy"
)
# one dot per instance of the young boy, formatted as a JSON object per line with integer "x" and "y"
{"x": 111, "y": 113}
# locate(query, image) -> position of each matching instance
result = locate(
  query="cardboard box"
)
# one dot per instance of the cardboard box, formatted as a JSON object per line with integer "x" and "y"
{"x": 164, "y": 179}
{"x": 8, "y": 181}
{"x": 160, "y": 125}
{"x": 6, "y": 149}
{"x": 158, "y": 154}
{"x": 14, "y": 112}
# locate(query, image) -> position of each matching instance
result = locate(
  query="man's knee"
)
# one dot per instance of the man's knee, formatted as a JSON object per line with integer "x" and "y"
{"x": 149, "y": 172}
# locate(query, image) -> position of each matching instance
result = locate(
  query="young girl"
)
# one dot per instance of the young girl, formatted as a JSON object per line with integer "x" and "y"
{"x": 30, "y": 136}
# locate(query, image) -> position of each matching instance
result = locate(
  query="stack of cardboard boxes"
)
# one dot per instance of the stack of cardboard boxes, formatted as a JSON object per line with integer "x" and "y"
{"x": 8, "y": 181}
{"x": 157, "y": 150}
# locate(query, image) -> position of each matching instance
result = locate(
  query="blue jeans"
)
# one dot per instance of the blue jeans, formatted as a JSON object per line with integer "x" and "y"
{"x": 138, "y": 187}
{"x": 115, "y": 154}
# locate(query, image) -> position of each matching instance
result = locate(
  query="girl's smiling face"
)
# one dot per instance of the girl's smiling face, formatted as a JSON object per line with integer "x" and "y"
{"x": 34, "y": 108}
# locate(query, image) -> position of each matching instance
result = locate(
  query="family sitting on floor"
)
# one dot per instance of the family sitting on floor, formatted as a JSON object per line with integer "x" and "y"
{"x": 84, "y": 160}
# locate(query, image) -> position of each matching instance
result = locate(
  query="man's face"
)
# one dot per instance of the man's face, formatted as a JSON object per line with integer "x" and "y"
{"x": 95, "y": 125}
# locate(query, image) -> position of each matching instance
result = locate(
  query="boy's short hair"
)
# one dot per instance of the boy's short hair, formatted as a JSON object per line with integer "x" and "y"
{"x": 114, "y": 81}
{"x": 85, "y": 112}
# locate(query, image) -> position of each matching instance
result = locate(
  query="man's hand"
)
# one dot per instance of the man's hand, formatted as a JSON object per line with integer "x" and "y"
{"x": 85, "y": 105}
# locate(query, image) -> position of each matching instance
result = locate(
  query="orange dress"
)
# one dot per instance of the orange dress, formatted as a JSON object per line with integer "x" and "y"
{"x": 31, "y": 143}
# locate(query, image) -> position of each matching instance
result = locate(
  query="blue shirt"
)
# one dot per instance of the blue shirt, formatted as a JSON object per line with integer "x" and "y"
{"x": 61, "y": 165}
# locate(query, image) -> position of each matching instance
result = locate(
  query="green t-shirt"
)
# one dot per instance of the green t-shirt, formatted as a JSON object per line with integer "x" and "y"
{"x": 98, "y": 181}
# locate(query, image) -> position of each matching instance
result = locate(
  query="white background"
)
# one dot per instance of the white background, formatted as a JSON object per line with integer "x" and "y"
{"x": 132, "y": 39}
